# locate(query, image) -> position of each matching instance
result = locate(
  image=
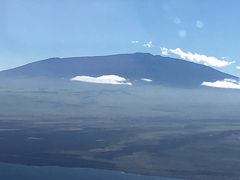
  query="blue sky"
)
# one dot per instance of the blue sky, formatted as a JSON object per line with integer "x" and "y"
{"x": 32, "y": 30}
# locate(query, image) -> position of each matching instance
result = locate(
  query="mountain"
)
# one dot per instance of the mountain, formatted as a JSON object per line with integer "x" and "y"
{"x": 161, "y": 70}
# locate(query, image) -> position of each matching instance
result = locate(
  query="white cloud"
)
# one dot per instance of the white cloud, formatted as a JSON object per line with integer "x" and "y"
{"x": 226, "y": 83}
{"x": 199, "y": 24}
{"x": 164, "y": 51}
{"x": 238, "y": 67}
{"x": 105, "y": 79}
{"x": 134, "y": 42}
{"x": 177, "y": 20}
{"x": 147, "y": 80}
{"x": 182, "y": 33}
{"x": 149, "y": 44}
{"x": 199, "y": 58}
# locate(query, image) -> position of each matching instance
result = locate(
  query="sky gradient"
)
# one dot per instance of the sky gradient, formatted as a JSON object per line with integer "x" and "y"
{"x": 34, "y": 30}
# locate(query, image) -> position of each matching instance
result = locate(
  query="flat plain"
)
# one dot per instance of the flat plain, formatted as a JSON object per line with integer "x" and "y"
{"x": 149, "y": 130}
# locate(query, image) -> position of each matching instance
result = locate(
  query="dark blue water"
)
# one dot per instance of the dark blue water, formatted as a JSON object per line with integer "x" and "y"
{"x": 21, "y": 172}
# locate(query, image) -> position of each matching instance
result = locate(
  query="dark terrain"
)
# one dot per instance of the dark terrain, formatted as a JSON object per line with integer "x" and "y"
{"x": 152, "y": 129}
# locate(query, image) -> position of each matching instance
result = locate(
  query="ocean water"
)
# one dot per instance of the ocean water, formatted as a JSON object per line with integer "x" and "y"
{"x": 22, "y": 172}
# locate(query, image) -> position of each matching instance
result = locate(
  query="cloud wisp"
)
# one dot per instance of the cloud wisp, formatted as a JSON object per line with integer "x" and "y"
{"x": 146, "y": 80}
{"x": 197, "y": 58}
{"x": 105, "y": 79}
{"x": 149, "y": 44}
{"x": 134, "y": 41}
{"x": 238, "y": 67}
{"x": 226, "y": 83}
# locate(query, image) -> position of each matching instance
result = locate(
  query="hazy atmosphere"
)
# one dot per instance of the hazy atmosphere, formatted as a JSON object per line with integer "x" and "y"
{"x": 119, "y": 90}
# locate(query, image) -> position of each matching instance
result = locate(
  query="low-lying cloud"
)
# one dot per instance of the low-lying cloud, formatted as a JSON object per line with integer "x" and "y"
{"x": 164, "y": 51}
{"x": 196, "y": 58}
{"x": 226, "y": 83}
{"x": 105, "y": 79}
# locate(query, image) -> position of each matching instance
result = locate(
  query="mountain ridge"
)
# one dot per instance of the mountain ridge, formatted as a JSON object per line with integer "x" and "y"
{"x": 162, "y": 70}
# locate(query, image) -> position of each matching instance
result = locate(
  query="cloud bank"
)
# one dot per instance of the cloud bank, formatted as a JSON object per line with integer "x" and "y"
{"x": 105, "y": 79}
{"x": 196, "y": 58}
{"x": 226, "y": 83}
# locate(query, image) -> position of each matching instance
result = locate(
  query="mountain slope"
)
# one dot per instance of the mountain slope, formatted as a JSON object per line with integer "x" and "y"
{"x": 162, "y": 70}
